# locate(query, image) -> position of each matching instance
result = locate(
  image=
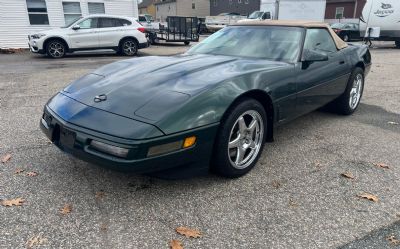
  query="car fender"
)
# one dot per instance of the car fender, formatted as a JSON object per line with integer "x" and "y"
{"x": 208, "y": 107}
{"x": 63, "y": 38}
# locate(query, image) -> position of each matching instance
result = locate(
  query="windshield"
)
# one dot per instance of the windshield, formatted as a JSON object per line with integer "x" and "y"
{"x": 262, "y": 42}
{"x": 256, "y": 15}
{"x": 72, "y": 22}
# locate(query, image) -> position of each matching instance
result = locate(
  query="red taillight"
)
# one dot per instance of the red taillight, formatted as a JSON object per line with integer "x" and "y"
{"x": 337, "y": 30}
{"x": 142, "y": 29}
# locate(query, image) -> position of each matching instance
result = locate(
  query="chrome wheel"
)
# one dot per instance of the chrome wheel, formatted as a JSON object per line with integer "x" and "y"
{"x": 56, "y": 49}
{"x": 355, "y": 92}
{"x": 245, "y": 139}
{"x": 129, "y": 47}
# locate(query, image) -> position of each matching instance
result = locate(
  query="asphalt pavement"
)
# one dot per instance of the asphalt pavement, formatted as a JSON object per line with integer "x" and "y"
{"x": 296, "y": 197}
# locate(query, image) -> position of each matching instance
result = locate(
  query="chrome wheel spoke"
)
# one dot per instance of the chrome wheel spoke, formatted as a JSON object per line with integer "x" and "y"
{"x": 234, "y": 143}
{"x": 252, "y": 127}
{"x": 240, "y": 155}
{"x": 242, "y": 126}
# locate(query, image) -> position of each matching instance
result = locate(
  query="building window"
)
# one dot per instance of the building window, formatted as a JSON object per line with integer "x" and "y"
{"x": 239, "y": 1}
{"x": 72, "y": 11}
{"x": 230, "y": 2}
{"x": 193, "y": 6}
{"x": 246, "y": 1}
{"x": 215, "y": 2}
{"x": 339, "y": 12}
{"x": 37, "y": 12}
{"x": 96, "y": 8}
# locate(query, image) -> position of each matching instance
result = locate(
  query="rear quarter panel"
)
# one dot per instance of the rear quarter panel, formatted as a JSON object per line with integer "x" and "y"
{"x": 358, "y": 55}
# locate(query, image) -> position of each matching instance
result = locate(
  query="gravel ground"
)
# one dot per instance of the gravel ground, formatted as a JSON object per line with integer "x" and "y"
{"x": 294, "y": 198}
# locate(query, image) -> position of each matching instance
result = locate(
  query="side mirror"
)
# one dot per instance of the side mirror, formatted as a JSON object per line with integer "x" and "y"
{"x": 76, "y": 27}
{"x": 313, "y": 55}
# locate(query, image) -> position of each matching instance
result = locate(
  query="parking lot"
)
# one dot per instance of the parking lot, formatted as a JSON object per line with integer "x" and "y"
{"x": 296, "y": 197}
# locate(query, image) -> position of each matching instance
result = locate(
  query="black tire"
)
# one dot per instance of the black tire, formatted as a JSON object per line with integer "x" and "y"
{"x": 186, "y": 43}
{"x": 346, "y": 38}
{"x": 56, "y": 48}
{"x": 397, "y": 44}
{"x": 221, "y": 161}
{"x": 342, "y": 104}
{"x": 128, "y": 47}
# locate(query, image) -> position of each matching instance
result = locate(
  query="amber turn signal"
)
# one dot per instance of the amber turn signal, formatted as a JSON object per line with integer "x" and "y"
{"x": 189, "y": 142}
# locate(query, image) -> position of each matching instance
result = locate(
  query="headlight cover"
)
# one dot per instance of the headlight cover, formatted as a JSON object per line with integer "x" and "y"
{"x": 37, "y": 36}
{"x": 109, "y": 149}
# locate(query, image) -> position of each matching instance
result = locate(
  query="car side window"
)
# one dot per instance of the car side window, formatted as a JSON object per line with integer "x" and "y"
{"x": 107, "y": 22}
{"x": 90, "y": 23}
{"x": 122, "y": 22}
{"x": 142, "y": 19}
{"x": 266, "y": 15}
{"x": 319, "y": 39}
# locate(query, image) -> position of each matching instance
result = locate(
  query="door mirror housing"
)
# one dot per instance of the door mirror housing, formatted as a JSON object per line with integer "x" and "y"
{"x": 76, "y": 27}
{"x": 314, "y": 55}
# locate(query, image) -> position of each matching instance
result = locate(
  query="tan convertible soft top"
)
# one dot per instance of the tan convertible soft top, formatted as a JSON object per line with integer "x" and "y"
{"x": 340, "y": 44}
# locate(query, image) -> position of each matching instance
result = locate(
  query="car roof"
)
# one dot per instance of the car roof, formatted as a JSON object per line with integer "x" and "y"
{"x": 109, "y": 16}
{"x": 340, "y": 44}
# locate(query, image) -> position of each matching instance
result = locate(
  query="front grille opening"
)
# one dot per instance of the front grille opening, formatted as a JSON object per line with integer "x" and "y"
{"x": 55, "y": 138}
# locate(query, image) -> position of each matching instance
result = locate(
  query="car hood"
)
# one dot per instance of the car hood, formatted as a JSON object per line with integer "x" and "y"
{"x": 149, "y": 88}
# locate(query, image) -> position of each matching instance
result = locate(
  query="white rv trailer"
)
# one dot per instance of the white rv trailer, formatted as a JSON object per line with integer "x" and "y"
{"x": 383, "y": 15}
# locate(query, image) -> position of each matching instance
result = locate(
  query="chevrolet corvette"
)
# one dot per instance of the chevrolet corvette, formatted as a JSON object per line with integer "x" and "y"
{"x": 211, "y": 108}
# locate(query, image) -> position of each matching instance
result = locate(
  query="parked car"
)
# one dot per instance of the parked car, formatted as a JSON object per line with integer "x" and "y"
{"x": 347, "y": 31}
{"x": 123, "y": 34}
{"x": 212, "y": 107}
{"x": 215, "y": 23}
{"x": 258, "y": 15}
{"x": 145, "y": 18}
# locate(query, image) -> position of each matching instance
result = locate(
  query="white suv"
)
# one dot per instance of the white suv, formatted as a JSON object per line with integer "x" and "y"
{"x": 123, "y": 34}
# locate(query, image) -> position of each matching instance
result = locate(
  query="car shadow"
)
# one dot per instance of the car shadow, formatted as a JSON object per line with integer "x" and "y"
{"x": 385, "y": 237}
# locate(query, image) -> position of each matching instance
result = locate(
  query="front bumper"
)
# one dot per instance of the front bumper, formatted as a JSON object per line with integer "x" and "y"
{"x": 76, "y": 141}
{"x": 36, "y": 45}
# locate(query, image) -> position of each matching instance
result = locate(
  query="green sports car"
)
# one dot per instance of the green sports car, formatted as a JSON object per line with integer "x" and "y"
{"x": 211, "y": 108}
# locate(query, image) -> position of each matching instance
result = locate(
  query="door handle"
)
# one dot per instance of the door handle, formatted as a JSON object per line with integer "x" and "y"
{"x": 341, "y": 62}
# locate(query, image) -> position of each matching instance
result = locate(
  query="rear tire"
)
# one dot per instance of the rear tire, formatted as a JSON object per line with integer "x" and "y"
{"x": 56, "y": 48}
{"x": 240, "y": 140}
{"x": 397, "y": 44}
{"x": 348, "y": 102}
{"x": 128, "y": 47}
{"x": 346, "y": 38}
{"x": 186, "y": 43}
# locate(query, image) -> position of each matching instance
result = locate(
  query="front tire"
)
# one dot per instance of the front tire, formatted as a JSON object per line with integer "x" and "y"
{"x": 128, "y": 47}
{"x": 397, "y": 44}
{"x": 56, "y": 49}
{"x": 240, "y": 139}
{"x": 348, "y": 102}
{"x": 346, "y": 38}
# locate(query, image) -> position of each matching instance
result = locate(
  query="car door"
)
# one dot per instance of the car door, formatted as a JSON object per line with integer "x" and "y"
{"x": 319, "y": 82}
{"x": 111, "y": 30}
{"x": 355, "y": 32}
{"x": 84, "y": 34}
